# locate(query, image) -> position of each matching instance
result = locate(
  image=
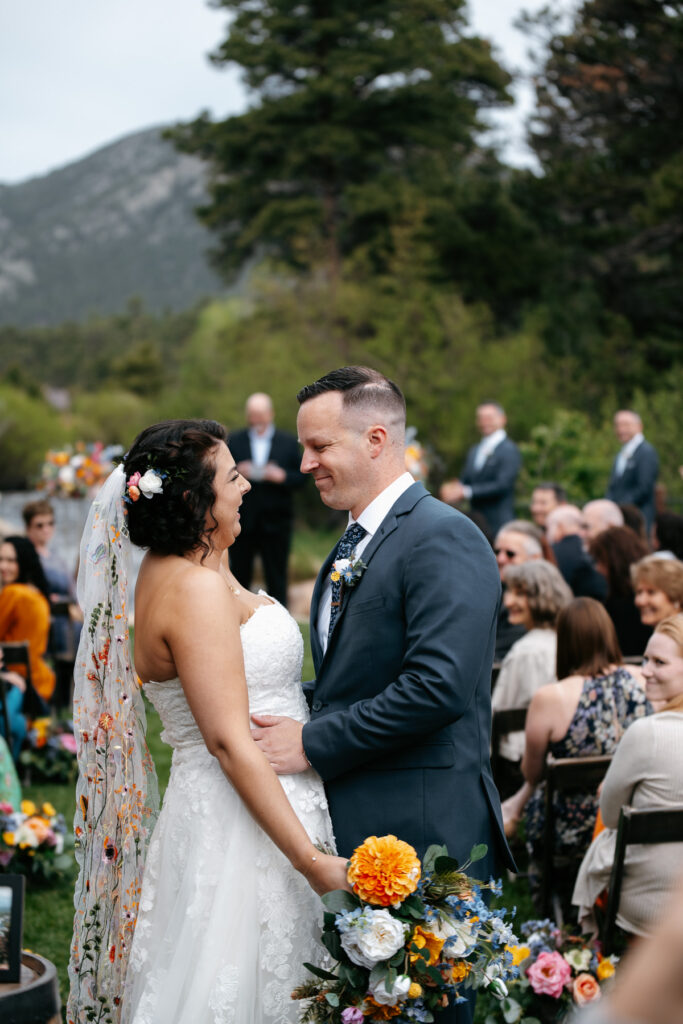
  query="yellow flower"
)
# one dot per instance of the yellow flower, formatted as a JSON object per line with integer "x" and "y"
{"x": 8, "y": 838}
{"x": 49, "y": 810}
{"x": 428, "y": 941}
{"x": 415, "y": 991}
{"x": 335, "y": 576}
{"x": 28, "y": 807}
{"x": 384, "y": 870}
{"x": 605, "y": 970}
{"x": 519, "y": 953}
{"x": 459, "y": 971}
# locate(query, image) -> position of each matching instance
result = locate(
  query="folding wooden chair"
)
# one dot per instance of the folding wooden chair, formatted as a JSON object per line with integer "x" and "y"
{"x": 565, "y": 775}
{"x": 636, "y": 825}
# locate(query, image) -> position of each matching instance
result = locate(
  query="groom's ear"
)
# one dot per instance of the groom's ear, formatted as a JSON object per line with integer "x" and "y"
{"x": 377, "y": 439}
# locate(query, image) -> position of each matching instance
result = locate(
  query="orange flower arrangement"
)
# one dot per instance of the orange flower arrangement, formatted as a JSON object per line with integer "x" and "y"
{"x": 384, "y": 870}
{"x": 427, "y": 941}
{"x": 380, "y": 1011}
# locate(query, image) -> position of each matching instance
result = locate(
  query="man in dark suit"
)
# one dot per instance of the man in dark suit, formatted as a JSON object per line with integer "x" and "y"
{"x": 269, "y": 459}
{"x": 401, "y": 706}
{"x": 491, "y": 468}
{"x": 634, "y": 471}
{"x": 564, "y": 534}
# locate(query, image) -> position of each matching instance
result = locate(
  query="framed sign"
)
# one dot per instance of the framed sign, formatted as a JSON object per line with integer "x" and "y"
{"x": 11, "y": 924}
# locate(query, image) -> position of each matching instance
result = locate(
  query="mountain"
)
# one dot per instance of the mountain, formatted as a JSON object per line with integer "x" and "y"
{"x": 118, "y": 223}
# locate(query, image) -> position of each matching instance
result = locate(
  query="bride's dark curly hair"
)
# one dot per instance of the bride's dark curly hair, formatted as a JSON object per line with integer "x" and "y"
{"x": 182, "y": 452}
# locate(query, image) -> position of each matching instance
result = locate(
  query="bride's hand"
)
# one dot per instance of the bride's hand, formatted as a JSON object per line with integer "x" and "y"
{"x": 327, "y": 873}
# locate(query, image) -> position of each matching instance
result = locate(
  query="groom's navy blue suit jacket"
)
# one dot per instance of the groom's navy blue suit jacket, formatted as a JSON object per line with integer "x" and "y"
{"x": 401, "y": 706}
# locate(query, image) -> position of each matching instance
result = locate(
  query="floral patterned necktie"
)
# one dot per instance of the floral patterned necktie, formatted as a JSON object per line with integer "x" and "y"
{"x": 345, "y": 548}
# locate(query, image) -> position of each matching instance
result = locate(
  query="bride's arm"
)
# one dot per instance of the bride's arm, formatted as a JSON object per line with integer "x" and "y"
{"x": 203, "y": 632}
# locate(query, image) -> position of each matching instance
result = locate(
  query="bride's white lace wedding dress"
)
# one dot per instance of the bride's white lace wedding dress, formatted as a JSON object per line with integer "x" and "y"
{"x": 225, "y": 922}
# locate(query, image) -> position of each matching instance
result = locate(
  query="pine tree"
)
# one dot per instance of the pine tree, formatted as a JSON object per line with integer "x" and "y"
{"x": 361, "y": 109}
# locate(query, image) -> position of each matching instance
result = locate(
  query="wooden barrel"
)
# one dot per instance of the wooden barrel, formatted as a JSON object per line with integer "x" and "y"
{"x": 35, "y": 998}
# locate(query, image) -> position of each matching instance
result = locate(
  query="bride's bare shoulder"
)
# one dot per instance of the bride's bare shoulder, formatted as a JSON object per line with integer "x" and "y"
{"x": 171, "y": 582}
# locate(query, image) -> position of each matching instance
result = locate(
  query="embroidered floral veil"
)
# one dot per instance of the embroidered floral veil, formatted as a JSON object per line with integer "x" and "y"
{"x": 117, "y": 796}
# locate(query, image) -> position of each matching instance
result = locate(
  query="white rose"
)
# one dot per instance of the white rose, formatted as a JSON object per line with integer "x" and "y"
{"x": 399, "y": 991}
{"x": 67, "y": 475}
{"x": 342, "y": 564}
{"x": 24, "y": 834}
{"x": 150, "y": 484}
{"x": 372, "y": 937}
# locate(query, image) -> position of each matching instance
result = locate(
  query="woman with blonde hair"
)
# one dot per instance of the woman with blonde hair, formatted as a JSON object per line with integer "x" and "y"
{"x": 658, "y": 585}
{"x": 647, "y": 772}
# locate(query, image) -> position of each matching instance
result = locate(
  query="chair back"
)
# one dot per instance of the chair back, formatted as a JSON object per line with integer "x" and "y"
{"x": 637, "y": 825}
{"x": 18, "y": 655}
{"x": 503, "y": 721}
{"x": 565, "y": 775}
{"x": 495, "y": 672}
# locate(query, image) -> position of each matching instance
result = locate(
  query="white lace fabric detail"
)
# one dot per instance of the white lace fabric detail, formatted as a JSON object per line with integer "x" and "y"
{"x": 225, "y": 922}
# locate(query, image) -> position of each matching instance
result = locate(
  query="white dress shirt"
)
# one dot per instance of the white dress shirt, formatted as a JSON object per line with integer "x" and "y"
{"x": 260, "y": 448}
{"x": 627, "y": 451}
{"x": 370, "y": 519}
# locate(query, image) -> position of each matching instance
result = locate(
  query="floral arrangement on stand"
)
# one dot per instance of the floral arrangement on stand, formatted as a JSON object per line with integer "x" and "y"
{"x": 49, "y": 754}
{"x": 73, "y": 471}
{"x": 558, "y": 972}
{"x": 33, "y": 840}
{"x": 417, "y": 462}
{"x": 409, "y": 939}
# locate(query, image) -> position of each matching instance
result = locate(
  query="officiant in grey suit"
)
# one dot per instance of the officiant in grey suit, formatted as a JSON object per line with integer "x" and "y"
{"x": 490, "y": 472}
{"x": 634, "y": 471}
{"x": 401, "y": 706}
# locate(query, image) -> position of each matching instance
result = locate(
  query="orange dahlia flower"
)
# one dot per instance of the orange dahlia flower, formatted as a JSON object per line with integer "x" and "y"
{"x": 427, "y": 941}
{"x": 384, "y": 870}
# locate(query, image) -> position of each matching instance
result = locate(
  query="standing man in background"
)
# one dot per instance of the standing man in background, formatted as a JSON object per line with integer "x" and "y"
{"x": 269, "y": 459}
{"x": 635, "y": 469}
{"x": 491, "y": 468}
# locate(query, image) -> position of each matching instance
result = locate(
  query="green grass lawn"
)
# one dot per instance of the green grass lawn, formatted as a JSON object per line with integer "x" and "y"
{"x": 49, "y": 911}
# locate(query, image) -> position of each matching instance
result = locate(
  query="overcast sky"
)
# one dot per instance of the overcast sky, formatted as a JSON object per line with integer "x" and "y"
{"x": 78, "y": 74}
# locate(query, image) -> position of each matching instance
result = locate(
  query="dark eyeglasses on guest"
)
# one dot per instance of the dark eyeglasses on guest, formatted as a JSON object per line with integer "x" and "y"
{"x": 505, "y": 551}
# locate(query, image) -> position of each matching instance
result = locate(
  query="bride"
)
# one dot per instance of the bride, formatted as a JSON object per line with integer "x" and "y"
{"x": 218, "y": 929}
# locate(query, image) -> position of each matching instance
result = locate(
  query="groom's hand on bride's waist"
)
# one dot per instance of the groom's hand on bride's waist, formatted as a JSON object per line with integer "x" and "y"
{"x": 280, "y": 740}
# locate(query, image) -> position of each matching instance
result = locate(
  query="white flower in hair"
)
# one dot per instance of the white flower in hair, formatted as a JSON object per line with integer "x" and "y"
{"x": 150, "y": 484}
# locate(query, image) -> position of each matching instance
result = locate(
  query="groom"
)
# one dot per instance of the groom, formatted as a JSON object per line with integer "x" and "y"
{"x": 401, "y": 705}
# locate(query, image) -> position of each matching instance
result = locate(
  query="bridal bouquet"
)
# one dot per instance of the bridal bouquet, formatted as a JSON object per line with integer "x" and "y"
{"x": 559, "y": 972}
{"x": 408, "y": 939}
{"x": 32, "y": 841}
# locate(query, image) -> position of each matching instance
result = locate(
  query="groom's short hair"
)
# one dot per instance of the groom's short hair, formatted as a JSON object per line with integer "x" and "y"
{"x": 363, "y": 389}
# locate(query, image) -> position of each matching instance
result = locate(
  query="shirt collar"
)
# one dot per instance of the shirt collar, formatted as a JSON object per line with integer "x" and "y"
{"x": 265, "y": 436}
{"x": 373, "y": 514}
{"x": 631, "y": 445}
{"x": 493, "y": 440}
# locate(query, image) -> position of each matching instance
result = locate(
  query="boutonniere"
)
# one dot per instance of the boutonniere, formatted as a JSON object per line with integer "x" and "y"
{"x": 348, "y": 570}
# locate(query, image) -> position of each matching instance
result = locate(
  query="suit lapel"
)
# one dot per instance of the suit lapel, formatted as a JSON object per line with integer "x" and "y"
{"x": 404, "y": 504}
{"x": 316, "y": 649}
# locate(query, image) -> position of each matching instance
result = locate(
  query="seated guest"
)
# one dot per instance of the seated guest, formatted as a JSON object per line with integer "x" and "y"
{"x": 584, "y": 713}
{"x": 544, "y": 498}
{"x": 647, "y": 772}
{"x": 534, "y": 595}
{"x": 39, "y": 519}
{"x": 615, "y": 550}
{"x": 667, "y": 534}
{"x": 658, "y": 585}
{"x": 517, "y": 542}
{"x": 600, "y": 515}
{"x": 563, "y": 530}
{"x": 25, "y": 607}
{"x": 634, "y": 518}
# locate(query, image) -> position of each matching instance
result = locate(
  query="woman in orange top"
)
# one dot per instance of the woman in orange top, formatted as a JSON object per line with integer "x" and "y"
{"x": 25, "y": 608}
